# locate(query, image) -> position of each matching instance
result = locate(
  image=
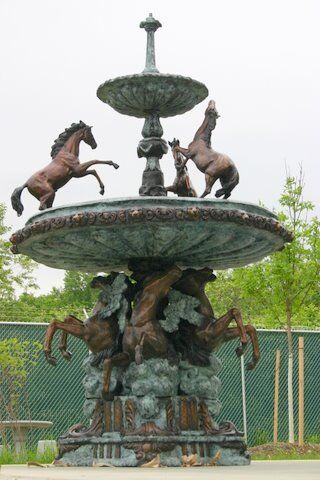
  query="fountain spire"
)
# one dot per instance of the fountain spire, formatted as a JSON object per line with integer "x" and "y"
{"x": 150, "y": 25}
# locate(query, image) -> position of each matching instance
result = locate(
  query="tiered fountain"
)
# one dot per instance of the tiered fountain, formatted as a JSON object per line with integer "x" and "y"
{"x": 151, "y": 382}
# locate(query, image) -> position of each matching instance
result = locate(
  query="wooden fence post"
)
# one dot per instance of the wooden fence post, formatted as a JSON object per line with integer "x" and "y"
{"x": 276, "y": 397}
{"x": 301, "y": 391}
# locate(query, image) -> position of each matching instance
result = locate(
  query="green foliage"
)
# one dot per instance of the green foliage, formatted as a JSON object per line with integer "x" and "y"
{"x": 261, "y": 437}
{"x": 15, "y": 271}
{"x": 75, "y": 296}
{"x": 16, "y": 359}
{"x": 9, "y": 457}
{"x": 283, "y": 288}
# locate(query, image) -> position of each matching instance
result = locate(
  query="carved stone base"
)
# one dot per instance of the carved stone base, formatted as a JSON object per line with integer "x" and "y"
{"x": 171, "y": 451}
{"x": 163, "y": 412}
{"x": 131, "y": 431}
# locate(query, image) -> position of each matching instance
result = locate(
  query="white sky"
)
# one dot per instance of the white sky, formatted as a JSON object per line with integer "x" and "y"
{"x": 258, "y": 58}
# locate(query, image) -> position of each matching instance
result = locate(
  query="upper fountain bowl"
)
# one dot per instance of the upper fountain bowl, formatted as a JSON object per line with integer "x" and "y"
{"x": 143, "y": 94}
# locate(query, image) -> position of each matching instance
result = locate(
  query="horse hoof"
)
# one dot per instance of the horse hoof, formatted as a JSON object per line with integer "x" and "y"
{"x": 51, "y": 360}
{"x": 239, "y": 351}
{"x": 102, "y": 191}
{"x": 250, "y": 366}
{"x": 116, "y": 166}
{"x": 67, "y": 355}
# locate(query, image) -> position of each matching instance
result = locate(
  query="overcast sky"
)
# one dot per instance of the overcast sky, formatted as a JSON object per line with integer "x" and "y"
{"x": 258, "y": 58}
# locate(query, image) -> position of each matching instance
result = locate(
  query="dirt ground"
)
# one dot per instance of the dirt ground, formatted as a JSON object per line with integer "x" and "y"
{"x": 285, "y": 448}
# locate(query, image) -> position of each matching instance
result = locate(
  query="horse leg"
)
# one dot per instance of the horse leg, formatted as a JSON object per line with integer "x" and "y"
{"x": 172, "y": 188}
{"x": 79, "y": 173}
{"x": 47, "y": 199}
{"x": 76, "y": 330}
{"x": 86, "y": 165}
{"x": 215, "y": 331}
{"x": 139, "y": 350}
{"x": 64, "y": 335}
{"x": 185, "y": 151}
{"x": 210, "y": 180}
{"x": 119, "y": 360}
{"x": 232, "y": 333}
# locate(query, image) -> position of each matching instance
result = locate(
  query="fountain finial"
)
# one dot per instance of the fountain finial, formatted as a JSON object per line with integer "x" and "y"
{"x": 150, "y": 25}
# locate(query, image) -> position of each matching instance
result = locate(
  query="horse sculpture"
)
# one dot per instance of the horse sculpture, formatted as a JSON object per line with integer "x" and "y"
{"x": 143, "y": 337}
{"x": 64, "y": 166}
{"x": 182, "y": 185}
{"x": 196, "y": 343}
{"x": 213, "y": 164}
{"x": 101, "y": 331}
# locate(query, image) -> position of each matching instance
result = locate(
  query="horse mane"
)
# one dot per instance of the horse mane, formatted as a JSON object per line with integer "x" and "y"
{"x": 64, "y": 136}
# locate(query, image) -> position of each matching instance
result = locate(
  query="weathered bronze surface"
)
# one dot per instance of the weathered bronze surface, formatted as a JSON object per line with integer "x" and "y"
{"x": 213, "y": 164}
{"x": 195, "y": 343}
{"x": 151, "y": 378}
{"x": 64, "y": 166}
{"x": 216, "y": 234}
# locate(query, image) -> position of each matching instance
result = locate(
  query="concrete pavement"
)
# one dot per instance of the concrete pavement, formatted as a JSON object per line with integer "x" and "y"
{"x": 277, "y": 470}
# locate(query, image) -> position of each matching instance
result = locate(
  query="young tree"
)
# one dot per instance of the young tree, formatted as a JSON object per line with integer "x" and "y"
{"x": 283, "y": 288}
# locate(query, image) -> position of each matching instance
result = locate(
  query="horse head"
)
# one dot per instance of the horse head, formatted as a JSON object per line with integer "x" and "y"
{"x": 88, "y": 138}
{"x": 211, "y": 110}
{"x": 175, "y": 143}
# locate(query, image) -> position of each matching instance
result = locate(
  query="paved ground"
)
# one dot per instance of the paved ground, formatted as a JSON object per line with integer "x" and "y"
{"x": 279, "y": 470}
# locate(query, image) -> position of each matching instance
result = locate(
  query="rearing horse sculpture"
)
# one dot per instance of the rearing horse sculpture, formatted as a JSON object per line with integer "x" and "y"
{"x": 64, "y": 166}
{"x": 143, "y": 337}
{"x": 213, "y": 164}
{"x": 197, "y": 342}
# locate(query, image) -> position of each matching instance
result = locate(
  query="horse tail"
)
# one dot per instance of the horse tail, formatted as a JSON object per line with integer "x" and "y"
{"x": 228, "y": 183}
{"x": 15, "y": 200}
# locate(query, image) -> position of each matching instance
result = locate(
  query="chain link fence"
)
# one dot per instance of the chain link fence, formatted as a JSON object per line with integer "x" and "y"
{"x": 56, "y": 393}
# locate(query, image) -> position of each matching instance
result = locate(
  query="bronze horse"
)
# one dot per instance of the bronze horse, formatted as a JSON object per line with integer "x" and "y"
{"x": 196, "y": 343}
{"x": 64, "y": 166}
{"x": 101, "y": 334}
{"x": 182, "y": 185}
{"x": 143, "y": 337}
{"x": 213, "y": 164}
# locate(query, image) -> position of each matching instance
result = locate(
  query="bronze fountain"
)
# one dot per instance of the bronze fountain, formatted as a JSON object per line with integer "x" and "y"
{"x": 151, "y": 385}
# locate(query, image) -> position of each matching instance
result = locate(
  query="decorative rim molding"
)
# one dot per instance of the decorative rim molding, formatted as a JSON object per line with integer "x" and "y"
{"x": 142, "y": 215}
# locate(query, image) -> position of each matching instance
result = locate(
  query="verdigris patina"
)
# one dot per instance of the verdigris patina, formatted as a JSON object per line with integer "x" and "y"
{"x": 152, "y": 378}
{"x": 187, "y": 231}
{"x": 152, "y": 95}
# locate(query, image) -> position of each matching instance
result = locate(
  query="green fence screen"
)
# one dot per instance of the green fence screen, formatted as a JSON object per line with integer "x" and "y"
{"x": 56, "y": 393}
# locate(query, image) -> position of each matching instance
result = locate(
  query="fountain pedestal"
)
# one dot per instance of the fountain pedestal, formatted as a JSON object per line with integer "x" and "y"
{"x": 151, "y": 420}
{"x": 161, "y": 407}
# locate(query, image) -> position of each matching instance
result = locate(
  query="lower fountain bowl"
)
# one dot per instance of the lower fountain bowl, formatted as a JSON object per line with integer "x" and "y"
{"x": 114, "y": 234}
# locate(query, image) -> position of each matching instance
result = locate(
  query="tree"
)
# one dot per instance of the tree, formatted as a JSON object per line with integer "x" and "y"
{"x": 77, "y": 290}
{"x": 284, "y": 287}
{"x": 15, "y": 271}
{"x": 16, "y": 360}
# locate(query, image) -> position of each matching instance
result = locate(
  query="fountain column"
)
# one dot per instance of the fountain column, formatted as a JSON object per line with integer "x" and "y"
{"x": 152, "y": 147}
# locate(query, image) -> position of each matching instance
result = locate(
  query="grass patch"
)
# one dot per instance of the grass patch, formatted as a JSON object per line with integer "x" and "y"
{"x": 8, "y": 457}
{"x": 285, "y": 451}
